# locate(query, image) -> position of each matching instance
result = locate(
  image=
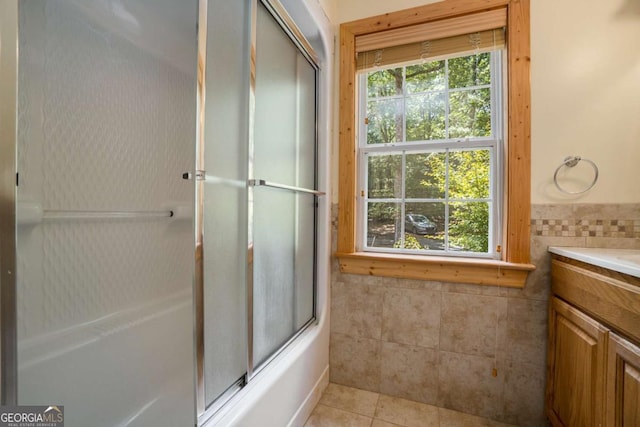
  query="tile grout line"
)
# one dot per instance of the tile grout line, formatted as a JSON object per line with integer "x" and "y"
{"x": 375, "y": 409}
{"x": 377, "y": 403}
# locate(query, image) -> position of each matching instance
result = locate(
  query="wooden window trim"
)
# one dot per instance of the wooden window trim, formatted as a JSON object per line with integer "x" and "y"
{"x": 512, "y": 270}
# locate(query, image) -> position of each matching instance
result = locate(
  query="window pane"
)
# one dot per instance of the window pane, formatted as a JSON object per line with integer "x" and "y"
{"x": 426, "y": 117}
{"x": 385, "y": 121}
{"x": 439, "y": 103}
{"x": 469, "y": 174}
{"x": 425, "y": 77}
{"x": 469, "y": 226}
{"x": 383, "y": 224}
{"x": 425, "y": 175}
{"x": 385, "y": 176}
{"x": 425, "y": 222}
{"x": 384, "y": 83}
{"x": 470, "y": 113}
{"x": 474, "y": 70}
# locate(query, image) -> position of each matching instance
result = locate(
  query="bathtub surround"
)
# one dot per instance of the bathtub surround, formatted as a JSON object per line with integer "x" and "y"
{"x": 472, "y": 348}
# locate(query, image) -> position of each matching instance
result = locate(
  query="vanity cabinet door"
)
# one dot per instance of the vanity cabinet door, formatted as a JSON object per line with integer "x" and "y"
{"x": 623, "y": 383}
{"x": 576, "y": 367}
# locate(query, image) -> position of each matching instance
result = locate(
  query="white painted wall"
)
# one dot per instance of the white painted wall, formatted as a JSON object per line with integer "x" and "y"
{"x": 586, "y": 95}
{"x": 585, "y": 82}
{"x": 350, "y": 10}
{"x": 330, "y": 8}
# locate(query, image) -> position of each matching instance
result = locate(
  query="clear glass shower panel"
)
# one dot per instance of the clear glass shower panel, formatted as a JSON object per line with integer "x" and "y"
{"x": 107, "y": 125}
{"x": 225, "y": 197}
{"x": 283, "y": 219}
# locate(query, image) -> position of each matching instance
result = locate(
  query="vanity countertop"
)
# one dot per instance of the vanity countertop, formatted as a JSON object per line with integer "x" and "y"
{"x": 625, "y": 261}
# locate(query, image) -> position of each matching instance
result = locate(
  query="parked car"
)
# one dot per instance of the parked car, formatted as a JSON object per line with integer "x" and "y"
{"x": 419, "y": 224}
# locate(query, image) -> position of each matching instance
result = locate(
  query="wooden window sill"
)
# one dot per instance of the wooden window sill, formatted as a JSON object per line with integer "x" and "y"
{"x": 442, "y": 269}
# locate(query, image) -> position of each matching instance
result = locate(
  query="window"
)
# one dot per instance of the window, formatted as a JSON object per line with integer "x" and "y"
{"x": 429, "y": 145}
{"x": 417, "y": 130}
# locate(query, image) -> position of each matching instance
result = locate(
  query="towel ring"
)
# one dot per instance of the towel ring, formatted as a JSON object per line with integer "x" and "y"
{"x": 570, "y": 162}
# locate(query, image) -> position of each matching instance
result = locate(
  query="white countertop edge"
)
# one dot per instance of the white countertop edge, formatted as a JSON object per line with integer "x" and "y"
{"x": 625, "y": 261}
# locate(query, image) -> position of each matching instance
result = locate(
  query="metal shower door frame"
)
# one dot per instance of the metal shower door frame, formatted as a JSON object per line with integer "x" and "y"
{"x": 8, "y": 184}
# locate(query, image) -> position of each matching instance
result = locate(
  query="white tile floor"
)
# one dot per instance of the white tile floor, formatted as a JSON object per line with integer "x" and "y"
{"x": 342, "y": 406}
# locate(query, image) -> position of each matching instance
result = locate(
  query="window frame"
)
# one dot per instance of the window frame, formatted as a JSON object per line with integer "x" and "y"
{"x": 513, "y": 267}
{"x": 493, "y": 143}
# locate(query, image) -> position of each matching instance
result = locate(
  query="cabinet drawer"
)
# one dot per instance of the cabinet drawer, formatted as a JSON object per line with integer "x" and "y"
{"x": 610, "y": 300}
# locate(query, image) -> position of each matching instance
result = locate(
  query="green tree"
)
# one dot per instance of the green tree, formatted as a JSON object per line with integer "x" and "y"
{"x": 410, "y": 242}
{"x": 468, "y": 179}
{"x": 470, "y": 110}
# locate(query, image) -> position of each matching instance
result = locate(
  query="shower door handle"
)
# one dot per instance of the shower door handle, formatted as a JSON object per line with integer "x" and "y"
{"x": 263, "y": 183}
{"x": 199, "y": 175}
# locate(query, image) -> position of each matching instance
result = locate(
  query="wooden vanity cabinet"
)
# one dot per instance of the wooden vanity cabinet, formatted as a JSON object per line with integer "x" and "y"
{"x": 623, "y": 383}
{"x": 593, "y": 370}
{"x": 577, "y": 355}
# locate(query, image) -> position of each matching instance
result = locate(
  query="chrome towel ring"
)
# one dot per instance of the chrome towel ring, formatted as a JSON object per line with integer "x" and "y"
{"x": 570, "y": 162}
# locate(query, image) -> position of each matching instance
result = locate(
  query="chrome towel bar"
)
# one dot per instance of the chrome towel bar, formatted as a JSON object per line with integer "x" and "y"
{"x": 31, "y": 213}
{"x": 55, "y": 215}
{"x": 263, "y": 183}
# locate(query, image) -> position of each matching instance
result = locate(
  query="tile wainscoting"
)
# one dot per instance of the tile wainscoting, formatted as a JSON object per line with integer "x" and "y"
{"x": 470, "y": 348}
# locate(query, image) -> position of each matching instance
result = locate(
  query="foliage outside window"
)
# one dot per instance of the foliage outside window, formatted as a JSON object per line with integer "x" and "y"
{"x": 429, "y": 149}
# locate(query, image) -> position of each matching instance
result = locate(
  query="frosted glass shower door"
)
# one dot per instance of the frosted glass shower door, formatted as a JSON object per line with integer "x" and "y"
{"x": 283, "y": 211}
{"x": 256, "y": 197}
{"x": 107, "y": 126}
{"x": 225, "y": 227}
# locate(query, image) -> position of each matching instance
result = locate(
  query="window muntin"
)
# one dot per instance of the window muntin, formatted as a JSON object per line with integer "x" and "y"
{"x": 430, "y": 145}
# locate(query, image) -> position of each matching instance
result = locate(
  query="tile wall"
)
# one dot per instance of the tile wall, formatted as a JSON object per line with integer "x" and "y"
{"x": 475, "y": 349}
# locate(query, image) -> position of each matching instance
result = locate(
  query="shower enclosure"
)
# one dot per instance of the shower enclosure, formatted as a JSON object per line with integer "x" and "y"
{"x": 159, "y": 203}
